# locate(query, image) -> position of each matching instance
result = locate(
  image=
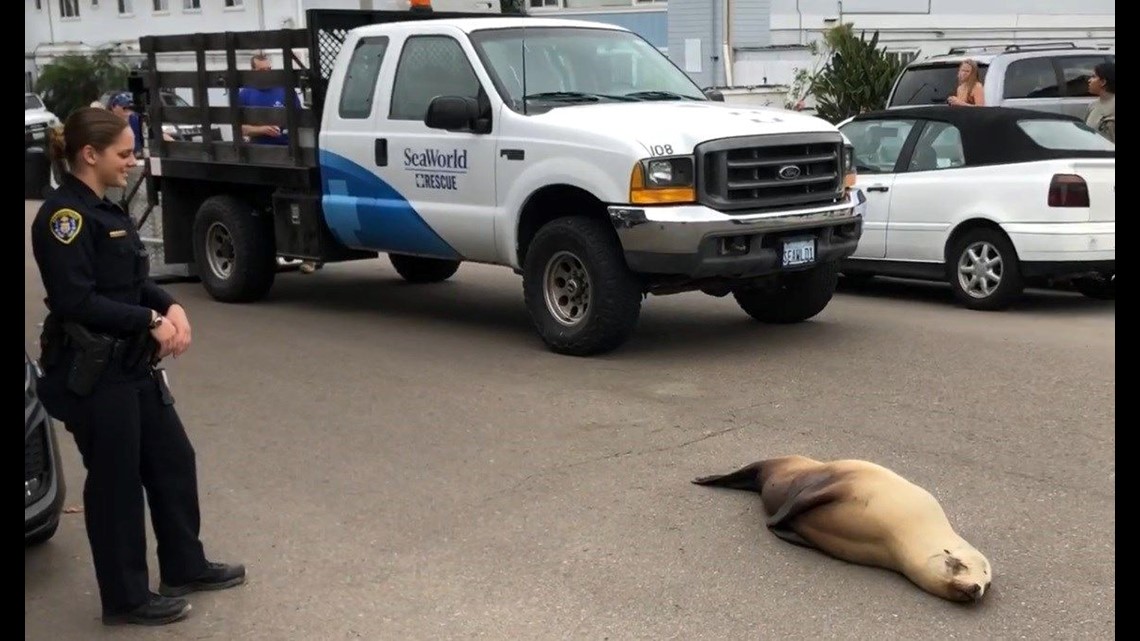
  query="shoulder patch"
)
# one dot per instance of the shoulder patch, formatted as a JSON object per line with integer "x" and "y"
{"x": 65, "y": 225}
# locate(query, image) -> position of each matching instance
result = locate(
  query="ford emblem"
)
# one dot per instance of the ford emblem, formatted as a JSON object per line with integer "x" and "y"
{"x": 788, "y": 172}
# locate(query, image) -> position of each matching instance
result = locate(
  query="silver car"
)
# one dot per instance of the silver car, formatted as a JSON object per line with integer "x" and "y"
{"x": 1051, "y": 77}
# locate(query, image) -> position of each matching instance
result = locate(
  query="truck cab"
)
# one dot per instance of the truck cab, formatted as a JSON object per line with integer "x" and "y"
{"x": 572, "y": 152}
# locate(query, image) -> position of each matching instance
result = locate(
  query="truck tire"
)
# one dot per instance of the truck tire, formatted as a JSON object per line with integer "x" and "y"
{"x": 798, "y": 296}
{"x": 1002, "y": 281}
{"x": 582, "y": 297}
{"x": 417, "y": 269}
{"x": 234, "y": 250}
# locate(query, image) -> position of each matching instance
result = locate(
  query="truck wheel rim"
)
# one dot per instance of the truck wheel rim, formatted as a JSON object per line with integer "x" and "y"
{"x": 980, "y": 269}
{"x": 566, "y": 286}
{"x": 220, "y": 250}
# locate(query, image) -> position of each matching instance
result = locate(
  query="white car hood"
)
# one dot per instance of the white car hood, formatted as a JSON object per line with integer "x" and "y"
{"x": 36, "y": 116}
{"x": 681, "y": 125}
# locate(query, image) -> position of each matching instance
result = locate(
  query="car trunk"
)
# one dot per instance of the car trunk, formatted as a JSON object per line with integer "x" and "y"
{"x": 1100, "y": 175}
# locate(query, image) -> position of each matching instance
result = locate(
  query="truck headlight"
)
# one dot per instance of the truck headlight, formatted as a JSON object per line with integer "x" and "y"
{"x": 848, "y": 166}
{"x": 659, "y": 181}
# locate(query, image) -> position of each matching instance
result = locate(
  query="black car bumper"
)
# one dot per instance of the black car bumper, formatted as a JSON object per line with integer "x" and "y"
{"x": 44, "y": 486}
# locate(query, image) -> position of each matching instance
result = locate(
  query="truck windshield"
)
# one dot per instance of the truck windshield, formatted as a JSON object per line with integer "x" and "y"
{"x": 31, "y": 101}
{"x": 571, "y": 65}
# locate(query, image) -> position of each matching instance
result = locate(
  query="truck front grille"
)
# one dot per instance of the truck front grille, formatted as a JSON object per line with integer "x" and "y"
{"x": 769, "y": 172}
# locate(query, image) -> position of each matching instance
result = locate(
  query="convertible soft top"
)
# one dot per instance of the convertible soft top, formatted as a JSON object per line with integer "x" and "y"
{"x": 991, "y": 135}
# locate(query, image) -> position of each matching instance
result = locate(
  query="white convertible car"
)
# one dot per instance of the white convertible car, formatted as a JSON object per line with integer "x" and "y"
{"x": 990, "y": 199}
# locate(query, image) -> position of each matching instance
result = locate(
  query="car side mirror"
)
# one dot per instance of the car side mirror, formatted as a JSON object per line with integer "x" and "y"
{"x": 715, "y": 95}
{"x": 452, "y": 113}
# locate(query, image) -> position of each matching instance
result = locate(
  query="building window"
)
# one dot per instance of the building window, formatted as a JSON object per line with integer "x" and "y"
{"x": 126, "y": 7}
{"x": 234, "y": 4}
{"x": 161, "y": 6}
{"x": 902, "y": 57}
{"x": 69, "y": 8}
{"x": 191, "y": 5}
{"x": 39, "y": 5}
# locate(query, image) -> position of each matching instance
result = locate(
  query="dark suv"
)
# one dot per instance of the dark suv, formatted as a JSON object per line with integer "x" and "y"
{"x": 44, "y": 488}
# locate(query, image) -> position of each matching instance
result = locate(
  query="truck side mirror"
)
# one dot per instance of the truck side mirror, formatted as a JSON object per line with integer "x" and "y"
{"x": 715, "y": 95}
{"x": 452, "y": 113}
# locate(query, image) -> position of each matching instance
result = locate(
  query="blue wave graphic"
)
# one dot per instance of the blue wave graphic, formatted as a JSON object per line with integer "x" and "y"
{"x": 364, "y": 212}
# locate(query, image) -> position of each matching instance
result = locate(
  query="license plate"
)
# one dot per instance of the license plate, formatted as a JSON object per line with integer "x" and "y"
{"x": 37, "y": 135}
{"x": 799, "y": 252}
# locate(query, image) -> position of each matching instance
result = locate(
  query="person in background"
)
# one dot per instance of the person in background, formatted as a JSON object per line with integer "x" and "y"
{"x": 971, "y": 91}
{"x": 265, "y": 97}
{"x": 269, "y": 134}
{"x": 123, "y": 105}
{"x": 1101, "y": 115}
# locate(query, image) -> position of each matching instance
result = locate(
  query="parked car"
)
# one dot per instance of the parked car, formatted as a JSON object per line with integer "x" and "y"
{"x": 988, "y": 199}
{"x": 1051, "y": 77}
{"x": 37, "y": 167}
{"x": 44, "y": 485}
{"x": 169, "y": 99}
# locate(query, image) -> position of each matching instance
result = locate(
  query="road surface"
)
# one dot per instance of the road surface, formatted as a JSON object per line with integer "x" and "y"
{"x": 408, "y": 462}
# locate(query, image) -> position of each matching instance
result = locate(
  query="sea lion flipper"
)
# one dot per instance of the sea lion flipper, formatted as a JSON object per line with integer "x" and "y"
{"x": 791, "y": 537}
{"x": 812, "y": 491}
{"x": 745, "y": 478}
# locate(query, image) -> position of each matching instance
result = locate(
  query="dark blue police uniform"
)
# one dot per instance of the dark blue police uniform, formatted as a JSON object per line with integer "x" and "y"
{"x": 95, "y": 269}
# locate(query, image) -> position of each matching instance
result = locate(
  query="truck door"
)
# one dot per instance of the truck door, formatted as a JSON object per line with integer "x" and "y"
{"x": 447, "y": 176}
{"x": 391, "y": 183}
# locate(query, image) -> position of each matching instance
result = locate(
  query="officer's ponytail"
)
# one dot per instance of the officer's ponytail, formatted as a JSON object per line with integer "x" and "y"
{"x": 92, "y": 126}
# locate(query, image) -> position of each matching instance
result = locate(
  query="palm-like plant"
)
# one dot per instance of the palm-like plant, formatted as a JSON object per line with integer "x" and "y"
{"x": 73, "y": 81}
{"x": 858, "y": 75}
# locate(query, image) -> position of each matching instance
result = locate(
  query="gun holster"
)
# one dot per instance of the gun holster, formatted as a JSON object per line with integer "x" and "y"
{"x": 93, "y": 353}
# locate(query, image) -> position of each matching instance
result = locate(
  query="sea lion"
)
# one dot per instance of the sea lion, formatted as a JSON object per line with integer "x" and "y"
{"x": 864, "y": 513}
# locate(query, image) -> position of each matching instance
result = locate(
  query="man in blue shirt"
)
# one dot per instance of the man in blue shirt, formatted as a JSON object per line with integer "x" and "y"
{"x": 269, "y": 134}
{"x": 122, "y": 104}
{"x": 267, "y": 97}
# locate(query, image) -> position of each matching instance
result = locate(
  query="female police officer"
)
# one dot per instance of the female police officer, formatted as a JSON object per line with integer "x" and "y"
{"x": 107, "y": 327}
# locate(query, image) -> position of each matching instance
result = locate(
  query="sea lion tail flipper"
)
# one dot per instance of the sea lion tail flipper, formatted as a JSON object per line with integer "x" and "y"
{"x": 746, "y": 478}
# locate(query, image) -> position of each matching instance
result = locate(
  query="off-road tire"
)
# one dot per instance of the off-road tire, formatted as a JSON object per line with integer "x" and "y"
{"x": 798, "y": 296}
{"x": 418, "y": 269}
{"x": 253, "y": 265}
{"x": 614, "y": 305}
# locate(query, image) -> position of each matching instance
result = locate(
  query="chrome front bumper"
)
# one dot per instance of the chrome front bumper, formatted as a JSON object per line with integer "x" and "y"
{"x": 689, "y": 239}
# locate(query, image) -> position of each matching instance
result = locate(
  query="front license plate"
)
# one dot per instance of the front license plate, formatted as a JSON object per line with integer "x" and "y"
{"x": 37, "y": 135}
{"x": 799, "y": 252}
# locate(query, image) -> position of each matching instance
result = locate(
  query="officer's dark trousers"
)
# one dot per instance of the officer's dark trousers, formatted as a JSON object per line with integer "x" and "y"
{"x": 131, "y": 440}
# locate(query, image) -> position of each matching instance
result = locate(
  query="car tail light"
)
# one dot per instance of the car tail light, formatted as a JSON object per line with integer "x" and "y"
{"x": 1068, "y": 190}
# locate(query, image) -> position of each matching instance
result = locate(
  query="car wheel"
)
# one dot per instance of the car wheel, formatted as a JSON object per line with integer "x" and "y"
{"x": 983, "y": 270}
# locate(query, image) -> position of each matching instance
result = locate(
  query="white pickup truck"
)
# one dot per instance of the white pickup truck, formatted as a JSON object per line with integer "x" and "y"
{"x": 573, "y": 152}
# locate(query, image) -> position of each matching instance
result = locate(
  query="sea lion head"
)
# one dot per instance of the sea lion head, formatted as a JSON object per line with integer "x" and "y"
{"x": 959, "y": 573}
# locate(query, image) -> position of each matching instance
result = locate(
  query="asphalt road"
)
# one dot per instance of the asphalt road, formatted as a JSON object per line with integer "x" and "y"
{"x": 408, "y": 462}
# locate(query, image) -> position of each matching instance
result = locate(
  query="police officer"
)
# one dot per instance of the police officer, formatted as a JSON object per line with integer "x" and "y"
{"x": 108, "y": 326}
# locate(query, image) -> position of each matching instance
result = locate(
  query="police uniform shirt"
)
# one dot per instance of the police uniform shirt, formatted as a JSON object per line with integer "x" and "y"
{"x": 93, "y": 263}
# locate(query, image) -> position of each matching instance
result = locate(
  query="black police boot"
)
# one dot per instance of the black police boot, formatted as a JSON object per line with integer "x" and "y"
{"x": 159, "y": 610}
{"x": 218, "y": 576}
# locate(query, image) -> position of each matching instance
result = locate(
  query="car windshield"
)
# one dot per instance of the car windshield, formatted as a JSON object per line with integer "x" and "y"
{"x": 32, "y": 101}
{"x": 569, "y": 65}
{"x": 1067, "y": 135}
{"x": 928, "y": 84}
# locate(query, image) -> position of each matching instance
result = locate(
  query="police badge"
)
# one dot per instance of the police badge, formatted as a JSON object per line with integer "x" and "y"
{"x": 65, "y": 225}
